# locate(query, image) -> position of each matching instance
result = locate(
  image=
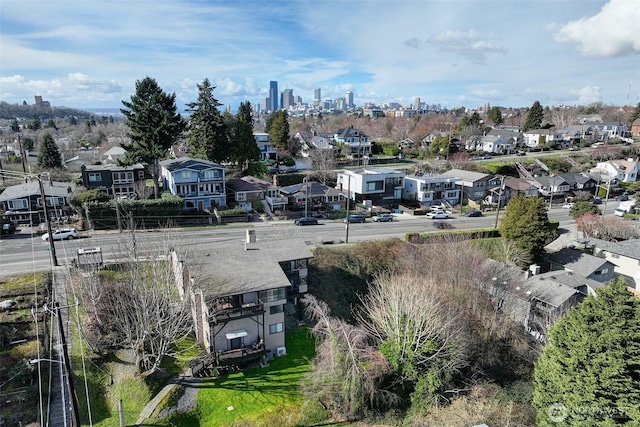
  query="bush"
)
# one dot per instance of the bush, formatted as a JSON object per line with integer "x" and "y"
{"x": 28, "y": 350}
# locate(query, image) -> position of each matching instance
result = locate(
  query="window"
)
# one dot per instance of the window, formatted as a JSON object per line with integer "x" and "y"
{"x": 615, "y": 256}
{"x": 17, "y": 204}
{"x": 601, "y": 272}
{"x": 275, "y": 328}
{"x": 209, "y": 175}
{"x": 140, "y": 175}
{"x": 122, "y": 177}
{"x": 275, "y": 309}
{"x": 95, "y": 177}
{"x": 186, "y": 174}
{"x": 374, "y": 186}
{"x": 241, "y": 197}
{"x": 272, "y": 295}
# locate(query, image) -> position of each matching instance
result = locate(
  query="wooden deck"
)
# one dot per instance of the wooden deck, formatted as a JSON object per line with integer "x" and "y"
{"x": 207, "y": 364}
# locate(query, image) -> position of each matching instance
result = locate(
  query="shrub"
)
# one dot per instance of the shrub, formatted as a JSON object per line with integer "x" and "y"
{"x": 28, "y": 350}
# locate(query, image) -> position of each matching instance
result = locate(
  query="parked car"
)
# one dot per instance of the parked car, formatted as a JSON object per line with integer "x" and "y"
{"x": 568, "y": 205}
{"x": 306, "y": 220}
{"x": 473, "y": 213}
{"x": 438, "y": 215}
{"x": 622, "y": 198}
{"x": 355, "y": 218}
{"x": 8, "y": 228}
{"x": 382, "y": 218}
{"x": 596, "y": 201}
{"x": 521, "y": 153}
{"x": 487, "y": 157}
{"x": 62, "y": 234}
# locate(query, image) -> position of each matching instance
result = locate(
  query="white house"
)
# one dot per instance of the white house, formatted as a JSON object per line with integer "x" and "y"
{"x": 496, "y": 144}
{"x": 432, "y": 189}
{"x": 378, "y": 186}
{"x": 621, "y": 170}
{"x": 535, "y": 138}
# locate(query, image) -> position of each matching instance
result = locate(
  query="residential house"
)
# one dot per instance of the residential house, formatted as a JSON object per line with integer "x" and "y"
{"x": 609, "y": 130}
{"x": 310, "y": 141}
{"x": 244, "y": 296}
{"x": 579, "y": 182}
{"x": 268, "y": 150}
{"x": 496, "y": 144}
{"x": 542, "y": 299}
{"x": 200, "y": 183}
{"x": 432, "y": 189}
{"x": 516, "y": 186}
{"x": 625, "y": 255}
{"x": 512, "y": 136}
{"x": 314, "y": 196}
{"x": 372, "y": 186}
{"x": 620, "y": 170}
{"x": 550, "y": 186}
{"x": 538, "y": 138}
{"x": 179, "y": 150}
{"x": 114, "y": 180}
{"x": 635, "y": 128}
{"x": 573, "y": 134}
{"x": 248, "y": 189}
{"x": 357, "y": 143}
{"x": 475, "y": 185}
{"x": 579, "y": 262}
{"x": 113, "y": 154}
{"x": 22, "y": 203}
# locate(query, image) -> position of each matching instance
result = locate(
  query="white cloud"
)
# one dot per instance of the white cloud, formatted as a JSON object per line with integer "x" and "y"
{"x": 586, "y": 95}
{"x": 468, "y": 44}
{"x": 612, "y": 32}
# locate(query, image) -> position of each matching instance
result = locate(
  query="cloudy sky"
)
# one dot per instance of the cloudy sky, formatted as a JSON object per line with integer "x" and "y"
{"x": 452, "y": 52}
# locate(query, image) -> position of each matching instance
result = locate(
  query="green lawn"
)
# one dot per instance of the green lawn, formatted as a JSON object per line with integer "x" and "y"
{"x": 260, "y": 396}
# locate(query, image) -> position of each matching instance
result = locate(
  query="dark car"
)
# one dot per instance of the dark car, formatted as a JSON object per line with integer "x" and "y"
{"x": 622, "y": 198}
{"x": 596, "y": 201}
{"x": 306, "y": 220}
{"x": 355, "y": 218}
{"x": 8, "y": 228}
{"x": 473, "y": 213}
{"x": 382, "y": 218}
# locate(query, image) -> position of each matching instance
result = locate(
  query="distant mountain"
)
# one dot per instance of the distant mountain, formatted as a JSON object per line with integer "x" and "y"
{"x": 14, "y": 111}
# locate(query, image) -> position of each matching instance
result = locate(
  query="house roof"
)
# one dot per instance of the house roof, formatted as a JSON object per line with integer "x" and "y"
{"x": 628, "y": 248}
{"x": 115, "y": 151}
{"x": 112, "y": 167}
{"x": 249, "y": 183}
{"x": 577, "y": 261}
{"x": 550, "y": 287}
{"x": 575, "y": 178}
{"x": 188, "y": 163}
{"x": 226, "y": 268}
{"x": 519, "y": 184}
{"x": 349, "y": 132}
{"x": 468, "y": 176}
{"x": 51, "y": 189}
{"x": 316, "y": 189}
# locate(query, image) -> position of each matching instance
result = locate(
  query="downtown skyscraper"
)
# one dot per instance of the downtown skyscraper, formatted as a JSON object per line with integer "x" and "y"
{"x": 273, "y": 96}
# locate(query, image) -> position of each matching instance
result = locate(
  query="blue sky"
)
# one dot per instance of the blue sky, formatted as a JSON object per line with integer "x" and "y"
{"x": 450, "y": 52}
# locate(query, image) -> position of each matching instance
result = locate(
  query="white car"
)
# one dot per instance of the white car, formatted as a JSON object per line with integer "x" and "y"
{"x": 567, "y": 205}
{"x": 438, "y": 215}
{"x": 61, "y": 234}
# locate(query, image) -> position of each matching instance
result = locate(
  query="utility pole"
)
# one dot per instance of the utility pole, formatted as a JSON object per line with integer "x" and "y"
{"x": 115, "y": 199}
{"x": 67, "y": 364}
{"x": 23, "y": 157}
{"x": 306, "y": 196}
{"x": 346, "y": 239}
{"x": 52, "y": 246}
{"x": 495, "y": 225}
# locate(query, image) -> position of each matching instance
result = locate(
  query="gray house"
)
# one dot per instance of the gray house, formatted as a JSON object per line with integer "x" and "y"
{"x": 22, "y": 203}
{"x": 589, "y": 266}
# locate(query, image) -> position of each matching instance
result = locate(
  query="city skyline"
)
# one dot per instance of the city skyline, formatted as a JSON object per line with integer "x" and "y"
{"x": 452, "y": 53}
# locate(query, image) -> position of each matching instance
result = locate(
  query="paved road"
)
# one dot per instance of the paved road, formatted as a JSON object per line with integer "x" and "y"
{"x": 24, "y": 253}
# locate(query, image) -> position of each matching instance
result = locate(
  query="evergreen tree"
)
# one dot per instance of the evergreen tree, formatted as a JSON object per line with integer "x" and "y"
{"x": 154, "y": 126}
{"x": 589, "y": 373}
{"x": 279, "y": 129}
{"x": 584, "y": 207}
{"x": 246, "y": 112}
{"x": 36, "y": 123}
{"x": 534, "y": 118}
{"x": 525, "y": 221}
{"x": 495, "y": 115}
{"x": 244, "y": 147}
{"x": 15, "y": 126}
{"x": 28, "y": 144}
{"x": 49, "y": 156}
{"x": 208, "y": 137}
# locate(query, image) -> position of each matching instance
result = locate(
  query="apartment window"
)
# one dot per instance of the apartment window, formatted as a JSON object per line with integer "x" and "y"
{"x": 186, "y": 174}
{"x": 210, "y": 175}
{"x": 275, "y": 328}
{"x": 272, "y": 295}
{"x": 374, "y": 186}
{"x": 275, "y": 309}
{"x": 241, "y": 197}
{"x": 140, "y": 175}
{"x": 17, "y": 204}
{"x": 122, "y": 177}
{"x": 95, "y": 177}
{"x": 600, "y": 272}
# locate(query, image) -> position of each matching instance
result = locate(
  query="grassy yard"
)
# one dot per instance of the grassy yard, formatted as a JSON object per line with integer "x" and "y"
{"x": 260, "y": 396}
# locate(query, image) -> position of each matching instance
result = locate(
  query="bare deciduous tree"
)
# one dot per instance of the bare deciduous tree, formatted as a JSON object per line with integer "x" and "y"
{"x": 347, "y": 369}
{"x": 135, "y": 305}
{"x": 323, "y": 162}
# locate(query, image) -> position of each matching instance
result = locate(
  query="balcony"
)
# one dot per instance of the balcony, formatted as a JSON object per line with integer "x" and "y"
{"x": 208, "y": 364}
{"x": 227, "y": 312}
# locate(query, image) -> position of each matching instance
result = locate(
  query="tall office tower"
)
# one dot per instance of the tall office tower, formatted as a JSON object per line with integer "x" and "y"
{"x": 297, "y": 100}
{"x": 287, "y": 99}
{"x": 340, "y": 103}
{"x": 265, "y": 104}
{"x": 348, "y": 96}
{"x": 273, "y": 95}
{"x": 416, "y": 104}
{"x": 317, "y": 97}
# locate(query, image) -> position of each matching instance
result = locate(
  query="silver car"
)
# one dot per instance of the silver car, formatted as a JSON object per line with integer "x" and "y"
{"x": 61, "y": 234}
